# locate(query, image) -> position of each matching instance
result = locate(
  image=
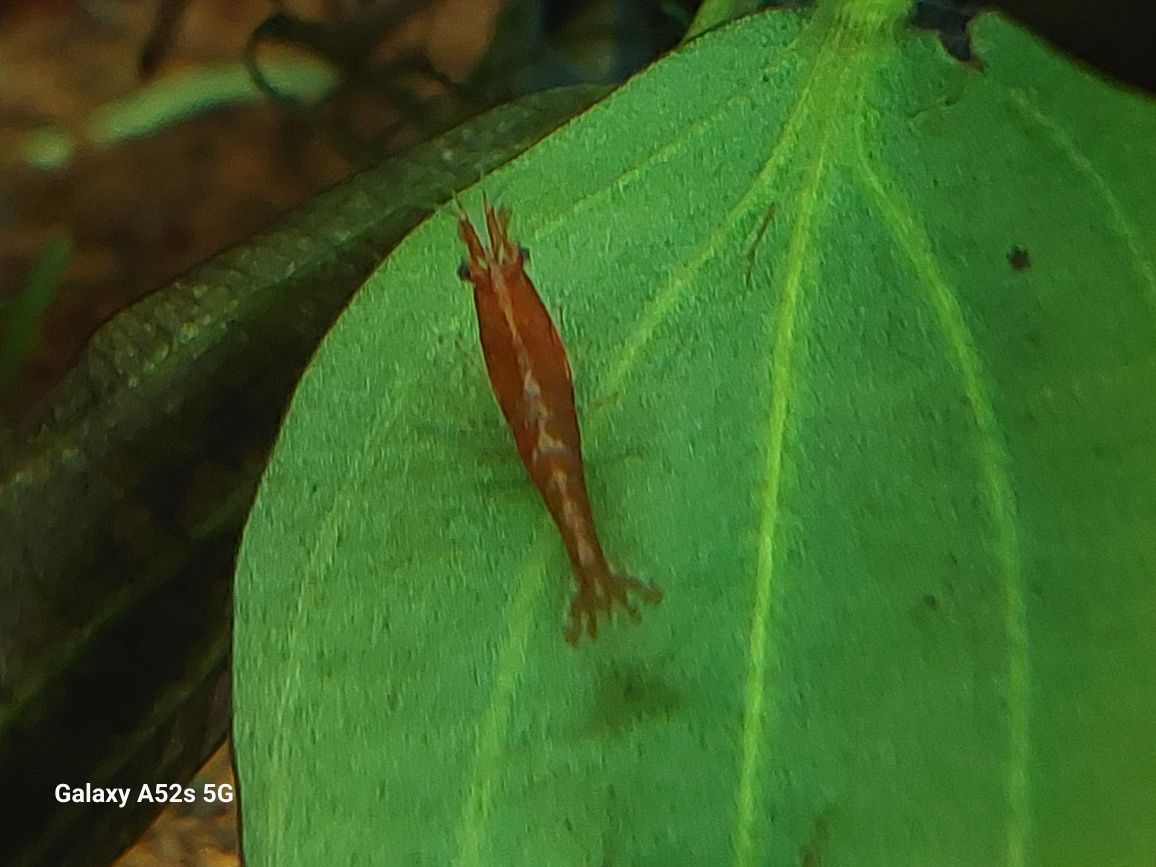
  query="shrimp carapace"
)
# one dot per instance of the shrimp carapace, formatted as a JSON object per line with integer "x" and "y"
{"x": 531, "y": 379}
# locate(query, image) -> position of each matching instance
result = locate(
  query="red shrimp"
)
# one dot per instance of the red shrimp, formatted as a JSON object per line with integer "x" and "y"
{"x": 531, "y": 378}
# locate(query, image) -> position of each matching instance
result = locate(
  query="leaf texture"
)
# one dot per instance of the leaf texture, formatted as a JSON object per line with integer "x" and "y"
{"x": 863, "y": 343}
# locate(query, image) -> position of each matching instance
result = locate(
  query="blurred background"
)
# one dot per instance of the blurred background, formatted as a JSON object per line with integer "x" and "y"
{"x": 139, "y": 136}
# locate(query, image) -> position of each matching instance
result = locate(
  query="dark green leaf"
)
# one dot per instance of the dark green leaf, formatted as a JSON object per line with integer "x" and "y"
{"x": 20, "y": 316}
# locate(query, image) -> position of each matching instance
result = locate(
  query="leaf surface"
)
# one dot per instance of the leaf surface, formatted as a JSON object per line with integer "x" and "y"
{"x": 863, "y": 344}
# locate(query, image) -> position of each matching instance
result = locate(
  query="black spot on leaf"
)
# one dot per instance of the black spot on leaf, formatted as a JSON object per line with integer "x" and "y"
{"x": 1019, "y": 258}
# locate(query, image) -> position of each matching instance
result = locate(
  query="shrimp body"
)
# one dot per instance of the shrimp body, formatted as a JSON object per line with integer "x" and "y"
{"x": 530, "y": 375}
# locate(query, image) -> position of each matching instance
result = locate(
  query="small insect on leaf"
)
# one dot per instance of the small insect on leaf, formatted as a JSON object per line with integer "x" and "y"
{"x": 531, "y": 379}
{"x": 768, "y": 217}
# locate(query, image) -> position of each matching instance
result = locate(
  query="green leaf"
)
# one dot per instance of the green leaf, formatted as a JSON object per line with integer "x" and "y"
{"x": 20, "y": 317}
{"x": 864, "y": 344}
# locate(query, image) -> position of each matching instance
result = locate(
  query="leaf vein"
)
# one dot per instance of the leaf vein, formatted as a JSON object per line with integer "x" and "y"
{"x": 788, "y": 325}
{"x": 1141, "y": 258}
{"x": 994, "y": 461}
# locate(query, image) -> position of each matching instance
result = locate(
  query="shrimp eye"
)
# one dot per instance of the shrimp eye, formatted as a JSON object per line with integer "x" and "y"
{"x": 463, "y": 271}
{"x": 524, "y": 254}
